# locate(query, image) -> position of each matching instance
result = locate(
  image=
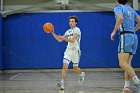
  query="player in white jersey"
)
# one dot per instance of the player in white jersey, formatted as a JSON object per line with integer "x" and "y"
{"x": 72, "y": 52}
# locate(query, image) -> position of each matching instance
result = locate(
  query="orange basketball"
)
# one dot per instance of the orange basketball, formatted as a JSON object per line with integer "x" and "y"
{"x": 48, "y": 27}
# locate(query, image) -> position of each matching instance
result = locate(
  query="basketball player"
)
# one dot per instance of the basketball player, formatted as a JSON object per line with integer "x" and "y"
{"x": 72, "y": 52}
{"x": 125, "y": 17}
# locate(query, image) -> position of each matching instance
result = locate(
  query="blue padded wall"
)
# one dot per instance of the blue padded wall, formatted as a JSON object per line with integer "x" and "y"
{"x": 27, "y": 46}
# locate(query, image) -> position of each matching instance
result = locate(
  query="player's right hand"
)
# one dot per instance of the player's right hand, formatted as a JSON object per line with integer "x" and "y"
{"x": 112, "y": 35}
{"x": 60, "y": 37}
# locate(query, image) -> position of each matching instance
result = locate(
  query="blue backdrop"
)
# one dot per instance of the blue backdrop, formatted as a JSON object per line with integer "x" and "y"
{"x": 27, "y": 46}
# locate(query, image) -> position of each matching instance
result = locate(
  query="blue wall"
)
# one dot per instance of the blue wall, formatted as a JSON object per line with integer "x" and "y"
{"x": 1, "y": 44}
{"x": 27, "y": 46}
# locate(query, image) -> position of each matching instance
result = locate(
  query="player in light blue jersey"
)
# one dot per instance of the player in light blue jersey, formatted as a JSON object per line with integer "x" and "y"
{"x": 72, "y": 53}
{"x": 125, "y": 24}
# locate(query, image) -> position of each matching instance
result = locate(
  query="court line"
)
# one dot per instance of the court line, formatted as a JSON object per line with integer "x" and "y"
{"x": 14, "y": 76}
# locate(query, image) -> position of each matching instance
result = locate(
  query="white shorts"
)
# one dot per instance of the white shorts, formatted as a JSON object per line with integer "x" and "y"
{"x": 72, "y": 55}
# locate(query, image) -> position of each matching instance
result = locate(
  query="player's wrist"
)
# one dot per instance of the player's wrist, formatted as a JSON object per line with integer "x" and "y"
{"x": 53, "y": 33}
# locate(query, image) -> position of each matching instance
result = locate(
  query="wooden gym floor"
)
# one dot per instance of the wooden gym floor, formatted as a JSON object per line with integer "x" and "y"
{"x": 45, "y": 82}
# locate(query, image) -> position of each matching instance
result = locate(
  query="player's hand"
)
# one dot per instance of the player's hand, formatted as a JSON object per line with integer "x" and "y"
{"x": 60, "y": 37}
{"x": 53, "y": 32}
{"x": 65, "y": 38}
{"x": 112, "y": 35}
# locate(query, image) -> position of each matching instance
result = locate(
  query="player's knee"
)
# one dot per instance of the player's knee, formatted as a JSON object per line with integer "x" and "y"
{"x": 64, "y": 69}
{"x": 75, "y": 68}
{"x": 122, "y": 64}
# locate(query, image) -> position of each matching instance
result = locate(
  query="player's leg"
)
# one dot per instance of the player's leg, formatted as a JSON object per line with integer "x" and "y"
{"x": 75, "y": 59}
{"x": 76, "y": 68}
{"x": 127, "y": 46}
{"x": 64, "y": 70}
{"x": 135, "y": 78}
{"x": 127, "y": 77}
{"x": 63, "y": 76}
{"x": 79, "y": 71}
{"x": 123, "y": 58}
{"x": 66, "y": 61}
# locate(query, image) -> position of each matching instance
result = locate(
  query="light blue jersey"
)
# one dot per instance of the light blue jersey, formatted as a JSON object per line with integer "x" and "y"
{"x": 129, "y": 16}
{"x": 128, "y": 39}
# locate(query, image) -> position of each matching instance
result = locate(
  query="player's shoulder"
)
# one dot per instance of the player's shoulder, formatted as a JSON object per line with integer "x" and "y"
{"x": 77, "y": 28}
{"x": 68, "y": 30}
{"x": 118, "y": 7}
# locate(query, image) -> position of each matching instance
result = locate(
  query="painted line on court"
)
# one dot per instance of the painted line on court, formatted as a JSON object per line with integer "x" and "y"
{"x": 14, "y": 76}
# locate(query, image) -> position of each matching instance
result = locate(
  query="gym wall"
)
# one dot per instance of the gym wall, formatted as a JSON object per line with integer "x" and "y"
{"x": 27, "y": 46}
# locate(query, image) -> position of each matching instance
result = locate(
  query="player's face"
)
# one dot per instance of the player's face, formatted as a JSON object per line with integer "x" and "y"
{"x": 72, "y": 23}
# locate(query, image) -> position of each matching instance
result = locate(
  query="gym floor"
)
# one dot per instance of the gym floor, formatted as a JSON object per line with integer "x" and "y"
{"x": 45, "y": 82}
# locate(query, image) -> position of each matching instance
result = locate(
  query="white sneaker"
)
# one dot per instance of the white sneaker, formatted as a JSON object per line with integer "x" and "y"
{"x": 60, "y": 84}
{"x": 82, "y": 77}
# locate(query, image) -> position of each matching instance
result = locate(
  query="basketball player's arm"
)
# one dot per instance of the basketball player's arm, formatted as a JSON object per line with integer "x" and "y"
{"x": 57, "y": 37}
{"x": 137, "y": 27}
{"x": 117, "y": 25}
{"x": 72, "y": 39}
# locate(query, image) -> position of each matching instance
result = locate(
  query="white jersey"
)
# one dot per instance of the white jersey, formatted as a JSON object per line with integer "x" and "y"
{"x": 69, "y": 33}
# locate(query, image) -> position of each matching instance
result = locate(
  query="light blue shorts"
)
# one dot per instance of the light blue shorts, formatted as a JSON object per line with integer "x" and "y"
{"x": 128, "y": 43}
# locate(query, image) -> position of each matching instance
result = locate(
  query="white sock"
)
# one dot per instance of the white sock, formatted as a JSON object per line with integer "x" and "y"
{"x": 81, "y": 74}
{"x": 126, "y": 84}
{"x": 62, "y": 80}
{"x": 136, "y": 79}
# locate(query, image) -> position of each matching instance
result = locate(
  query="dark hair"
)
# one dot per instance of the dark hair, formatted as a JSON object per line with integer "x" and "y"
{"x": 122, "y": 1}
{"x": 74, "y": 17}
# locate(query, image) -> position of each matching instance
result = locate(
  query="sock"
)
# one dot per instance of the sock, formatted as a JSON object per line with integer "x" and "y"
{"x": 126, "y": 84}
{"x": 136, "y": 79}
{"x": 62, "y": 80}
{"x": 81, "y": 73}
